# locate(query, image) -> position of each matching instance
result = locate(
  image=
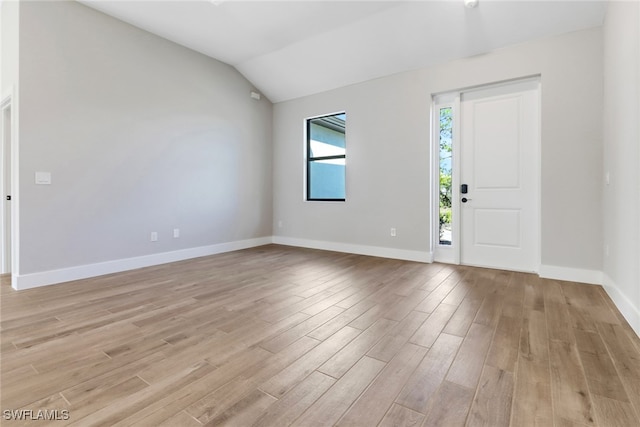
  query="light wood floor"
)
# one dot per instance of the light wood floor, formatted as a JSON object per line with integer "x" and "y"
{"x": 278, "y": 336}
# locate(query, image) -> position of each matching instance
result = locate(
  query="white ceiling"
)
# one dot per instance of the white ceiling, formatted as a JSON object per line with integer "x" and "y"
{"x": 289, "y": 49}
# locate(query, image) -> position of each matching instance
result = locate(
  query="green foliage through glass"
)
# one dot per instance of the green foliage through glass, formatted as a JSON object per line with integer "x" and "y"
{"x": 446, "y": 139}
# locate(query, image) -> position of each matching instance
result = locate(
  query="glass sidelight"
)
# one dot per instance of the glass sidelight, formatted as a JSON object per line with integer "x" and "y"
{"x": 445, "y": 137}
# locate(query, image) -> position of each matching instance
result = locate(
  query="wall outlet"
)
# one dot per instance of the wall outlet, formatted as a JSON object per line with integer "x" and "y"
{"x": 154, "y": 236}
{"x": 393, "y": 232}
{"x": 176, "y": 233}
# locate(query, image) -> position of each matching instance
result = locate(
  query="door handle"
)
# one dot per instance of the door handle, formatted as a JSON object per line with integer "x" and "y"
{"x": 8, "y": 197}
{"x": 465, "y": 200}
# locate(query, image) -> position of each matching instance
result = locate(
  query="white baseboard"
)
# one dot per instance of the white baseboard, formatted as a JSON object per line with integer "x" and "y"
{"x": 630, "y": 312}
{"x": 34, "y": 280}
{"x": 593, "y": 277}
{"x": 376, "y": 251}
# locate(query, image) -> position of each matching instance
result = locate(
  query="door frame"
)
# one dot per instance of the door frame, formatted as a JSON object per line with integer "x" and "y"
{"x": 9, "y": 102}
{"x": 452, "y": 254}
{"x": 444, "y": 253}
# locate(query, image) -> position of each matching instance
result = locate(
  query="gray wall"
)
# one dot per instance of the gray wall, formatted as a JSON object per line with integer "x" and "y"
{"x": 621, "y": 213}
{"x": 140, "y": 135}
{"x": 388, "y": 151}
{"x": 8, "y": 46}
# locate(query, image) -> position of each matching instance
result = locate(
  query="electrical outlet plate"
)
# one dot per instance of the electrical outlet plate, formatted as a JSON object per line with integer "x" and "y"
{"x": 43, "y": 178}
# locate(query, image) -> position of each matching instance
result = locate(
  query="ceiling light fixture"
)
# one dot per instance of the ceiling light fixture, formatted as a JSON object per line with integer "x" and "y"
{"x": 471, "y": 3}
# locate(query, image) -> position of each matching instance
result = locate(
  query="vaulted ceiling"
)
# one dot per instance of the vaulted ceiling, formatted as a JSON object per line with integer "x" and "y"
{"x": 289, "y": 49}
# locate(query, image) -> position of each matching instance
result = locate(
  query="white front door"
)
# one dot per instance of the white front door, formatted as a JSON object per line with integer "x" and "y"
{"x": 499, "y": 165}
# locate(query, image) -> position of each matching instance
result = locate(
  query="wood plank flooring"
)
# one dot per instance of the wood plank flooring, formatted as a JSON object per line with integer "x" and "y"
{"x": 278, "y": 336}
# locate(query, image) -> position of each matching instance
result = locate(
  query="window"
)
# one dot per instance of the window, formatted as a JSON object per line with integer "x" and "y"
{"x": 326, "y": 157}
{"x": 445, "y": 136}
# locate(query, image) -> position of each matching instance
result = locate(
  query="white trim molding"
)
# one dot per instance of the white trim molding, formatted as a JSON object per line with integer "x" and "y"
{"x": 569, "y": 274}
{"x": 376, "y": 251}
{"x": 10, "y": 99}
{"x": 34, "y": 280}
{"x": 622, "y": 302}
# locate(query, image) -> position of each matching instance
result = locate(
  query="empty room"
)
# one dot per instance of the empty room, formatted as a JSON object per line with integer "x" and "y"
{"x": 274, "y": 213}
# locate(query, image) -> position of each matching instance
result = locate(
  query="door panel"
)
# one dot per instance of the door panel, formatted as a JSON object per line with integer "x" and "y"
{"x": 499, "y": 140}
{"x": 497, "y": 227}
{"x": 496, "y": 159}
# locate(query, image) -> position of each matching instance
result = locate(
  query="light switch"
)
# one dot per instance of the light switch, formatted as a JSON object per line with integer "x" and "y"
{"x": 43, "y": 178}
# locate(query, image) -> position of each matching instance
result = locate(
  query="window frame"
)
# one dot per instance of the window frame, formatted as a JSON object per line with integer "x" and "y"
{"x": 449, "y": 254}
{"x": 309, "y": 159}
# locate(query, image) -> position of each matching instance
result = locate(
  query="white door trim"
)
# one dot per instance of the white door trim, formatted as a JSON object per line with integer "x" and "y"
{"x": 443, "y": 253}
{"x": 5, "y": 188}
{"x": 10, "y": 100}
